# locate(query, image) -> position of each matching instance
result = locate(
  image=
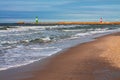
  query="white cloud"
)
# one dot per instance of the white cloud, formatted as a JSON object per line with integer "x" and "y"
{"x": 16, "y": 20}
{"x": 107, "y": 7}
{"x": 25, "y": 8}
{"x": 32, "y": 5}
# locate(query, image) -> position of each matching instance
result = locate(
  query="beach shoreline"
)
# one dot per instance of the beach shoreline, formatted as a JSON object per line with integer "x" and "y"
{"x": 75, "y": 63}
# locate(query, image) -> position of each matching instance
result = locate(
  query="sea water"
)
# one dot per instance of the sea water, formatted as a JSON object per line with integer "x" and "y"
{"x": 22, "y": 45}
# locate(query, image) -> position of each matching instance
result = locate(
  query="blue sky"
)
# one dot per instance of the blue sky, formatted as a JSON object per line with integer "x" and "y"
{"x": 59, "y": 10}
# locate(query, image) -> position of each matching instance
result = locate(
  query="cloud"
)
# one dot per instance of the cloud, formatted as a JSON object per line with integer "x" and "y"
{"x": 101, "y": 7}
{"x": 11, "y": 20}
{"x": 26, "y": 8}
{"x": 59, "y": 9}
{"x": 32, "y": 5}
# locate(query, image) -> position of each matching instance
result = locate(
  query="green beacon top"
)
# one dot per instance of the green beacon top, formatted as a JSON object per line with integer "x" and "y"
{"x": 36, "y": 19}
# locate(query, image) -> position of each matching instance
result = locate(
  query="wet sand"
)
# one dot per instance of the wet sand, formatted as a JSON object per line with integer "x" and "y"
{"x": 96, "y": 60}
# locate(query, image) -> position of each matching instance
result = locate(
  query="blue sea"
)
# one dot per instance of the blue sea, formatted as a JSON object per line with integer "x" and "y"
{"x": 22, "y": 45}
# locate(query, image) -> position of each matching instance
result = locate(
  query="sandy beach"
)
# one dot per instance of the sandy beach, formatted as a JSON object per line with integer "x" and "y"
{"x": 96, "y": 60}
{"x": 60, "y": 40}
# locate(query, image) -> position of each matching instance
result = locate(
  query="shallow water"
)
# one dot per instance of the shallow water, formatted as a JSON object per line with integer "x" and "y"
{"x": 21, "y": 45}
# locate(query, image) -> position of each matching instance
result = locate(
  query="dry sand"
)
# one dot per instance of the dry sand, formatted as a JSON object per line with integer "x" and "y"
{"x": 96, "y": 60}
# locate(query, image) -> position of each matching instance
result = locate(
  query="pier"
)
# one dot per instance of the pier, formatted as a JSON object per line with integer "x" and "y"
{"x": 58, "y": 23}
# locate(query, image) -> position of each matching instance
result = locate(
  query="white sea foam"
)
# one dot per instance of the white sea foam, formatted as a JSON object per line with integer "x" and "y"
{"x": 82, "y": 34}
{"x": 73, "y": 30}
{"x": 27, "y": 62}
{"x": 24, "y": 28}
{"x": 41, "y": 48}
{"x": 20, "y": 34}
{"x": 23, "y": 52}
{"x": 20, "y": 31}
{"x": 46, "y": 39}
{"x": 8, "y": 42}
{"x": 18, "y": 65}
{"x": 96, "y": 31}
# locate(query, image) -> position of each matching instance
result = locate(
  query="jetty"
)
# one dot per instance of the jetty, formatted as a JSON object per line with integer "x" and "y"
{"x": 58, "y": 23}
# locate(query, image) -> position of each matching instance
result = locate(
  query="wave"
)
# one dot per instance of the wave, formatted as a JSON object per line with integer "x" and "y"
{"x": 41, "y": 40}
{"x": 92, "y": 32}
{"x": 8, "y": 42}
{"x": 28, "y": 55}
{"x": 76, "y": 33}
{"x": 73, "y": 30}
{"x": 20, "y": 34}
{"x": 20, "y": 28}
{"x": 4, "y": 28}
{"x": 41, "y": 48}
{"x": 38, "y": 40}
{"x": 17, "y": 65}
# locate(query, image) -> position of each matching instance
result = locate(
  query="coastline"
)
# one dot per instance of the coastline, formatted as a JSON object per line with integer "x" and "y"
{"x": 75, "y": 63}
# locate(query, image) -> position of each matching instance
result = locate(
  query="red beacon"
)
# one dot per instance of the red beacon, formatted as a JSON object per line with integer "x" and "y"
{"x": 101, "y": 20}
